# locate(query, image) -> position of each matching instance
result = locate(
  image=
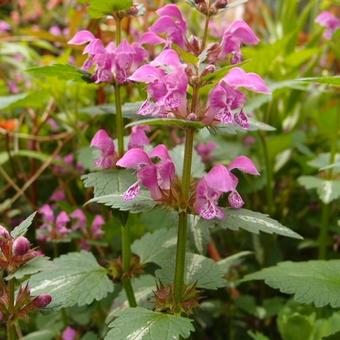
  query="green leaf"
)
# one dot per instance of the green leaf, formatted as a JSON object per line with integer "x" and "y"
{"x": 6, "y": 101}
{"x": 109, "y": 185}
{"x": 61, "y": 71}
{"x": 72, "y": 279}
{"x": 200, "y": 237}
{"x": 151, "y": 246}
{"x": 44, "y": 334}
{"x": 181, "y": 123}
{"x": 143, "y": 324}
{"x": 232, "y": 260}
{"x": 186, "y": 56}
{"x": 143, "y": 202}
{"x": 330, "y": 80}
{"x": 100, "y": 8}
{"x": 143, "y": 288}
{"x": 252, "y": 221}
{"x": 129, "y": 109}
{"x": 198, "y": 269}
{"x": 257, "y": 336}
{"x": 316, "y": 282}
{"x": 177, "y": 155}
{"x": 4, "y": 156}
{"x": 22, "y": 228}
{"x": 328, "y": 190}
{"x": 33, "y": 266}
{"x": 322, "y": 162}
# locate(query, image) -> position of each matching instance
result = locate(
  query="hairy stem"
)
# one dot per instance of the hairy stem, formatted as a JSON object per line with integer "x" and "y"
{"x": 125, "y": 231}
{"x": 183, "y": 218}
{"x": 269, "y": 174}
{"x": 118, "y": 102}
{"x": 10, "y": 322}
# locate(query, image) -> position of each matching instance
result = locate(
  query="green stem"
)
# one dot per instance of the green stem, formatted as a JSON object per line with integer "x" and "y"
{"x": 10, "y": 324}
{"x": 183, "y": 218}
{"x": 269, "y": 174}
{"x": 118, "y": 101}
{"x": 125, "y": 229}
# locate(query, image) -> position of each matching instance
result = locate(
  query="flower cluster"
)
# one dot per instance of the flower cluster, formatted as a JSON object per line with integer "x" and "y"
{"x": 112, "y": 63}
{"x": 57, "y": 227}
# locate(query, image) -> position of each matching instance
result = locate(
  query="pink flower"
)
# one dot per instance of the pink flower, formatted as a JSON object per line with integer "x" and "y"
{"x": 225, "y": 97}
{"x": 69, "y": 334}
{"x": 330, "y": 22}
{"x": 80, "y": 220}
{"x": 138, "y": 137}
{"x": 167, "y": 85}
{"x": 112, "y": 63}
{"x": 4, "y": 26}
{"x": 105, "y": 145}
{"x": 170, "y": 24}
{"x": 205, "y": 150}
{"x": 97, "y": 225}
{"x": 53, "y": 226}
{"x": 156, "y": 176}
{"x": 234, "y": 36}
{"x": 221, "y": 180}
{"x": 57, "y": 195}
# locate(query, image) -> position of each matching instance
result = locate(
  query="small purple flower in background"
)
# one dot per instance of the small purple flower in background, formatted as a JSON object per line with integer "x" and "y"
{"x": 234, "y": 36}
{"x": 80, "y": 220}
{"x": 53, "y": 227}
{"x": 57, "y": 195}
{"x": 221, "y": 180}
{"x": 96, "y": 227}
{"x": 138, "y": 137}
{"x": 167, "y": 85}
{"x": 170, "y": 24}
{"x": 225, "y": 97}
{"x": 103, "y": 142}
{"x": 69, "y": 333}
{"x": 157, "y": 176}
{"x": 4, "y": 26}
{"x": 205, "y": 151}
{"x": 330, "y": 22}
{"x": 112, "y": 63}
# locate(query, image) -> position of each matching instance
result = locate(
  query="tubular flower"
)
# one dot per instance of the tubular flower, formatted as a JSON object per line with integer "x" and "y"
{"x": 53, "y": 227}
{"x": 102, "y": 142}
{"x": 167, "y": 85}
{"x": 234, "y": 36}
{"x": 329, "y": 21}
{"x": 138, "y": 137}
{"x": 170, "y": 24}
{"x": 155, "y": 171}
{"x": 112, "y": 63}
{"x": 221, "y": 180}
{"x": 225, "y": 97}
{"x": 205, "y": 151}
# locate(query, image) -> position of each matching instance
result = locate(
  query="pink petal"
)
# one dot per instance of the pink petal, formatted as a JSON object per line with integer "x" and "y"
{"x": 131, "y": 192}
{"x": 151, "y": 38}
{"x": 220, "y": 179}
{"x": 244, "y": 164}
{"x": 82, "y": 37}
{"x": 146, "y": 74}
{"x": 167, "y": 57}
{"x": 235, "y": 200}
{"x": 134, "y": 159}
{"x": 237, "y": 77}
{"x": 240, "y": 30}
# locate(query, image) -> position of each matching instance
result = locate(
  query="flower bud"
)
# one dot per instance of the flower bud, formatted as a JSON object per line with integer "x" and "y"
{"x": 42, "y": 301}
{"x": 192, "y": 116}
{"x": 220, "y": 4}
{"x": 20, "y": 246}
{"x": 133, "y": 10}
{"x": 3, "y": 232}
